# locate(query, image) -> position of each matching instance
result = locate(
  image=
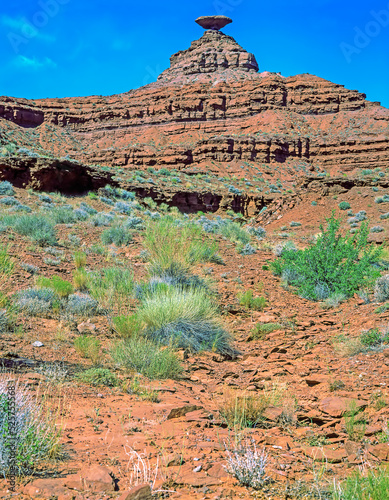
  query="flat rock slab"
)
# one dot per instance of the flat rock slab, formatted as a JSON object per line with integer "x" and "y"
{"x": 337, "y": 407}
{"x": 213, "y": 22}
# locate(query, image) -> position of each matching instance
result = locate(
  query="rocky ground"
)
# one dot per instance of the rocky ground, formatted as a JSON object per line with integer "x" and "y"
{"x": 181, "y": 434}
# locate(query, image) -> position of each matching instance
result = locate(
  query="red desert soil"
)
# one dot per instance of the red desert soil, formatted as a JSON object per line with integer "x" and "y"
{"x": 215, "y": 122}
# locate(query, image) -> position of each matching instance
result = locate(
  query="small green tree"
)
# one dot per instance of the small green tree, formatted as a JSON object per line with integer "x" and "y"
{"x": 334, "y": 264}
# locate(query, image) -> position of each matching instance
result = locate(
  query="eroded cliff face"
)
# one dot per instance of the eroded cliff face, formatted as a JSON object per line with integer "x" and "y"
{"x": 210, "y": 105}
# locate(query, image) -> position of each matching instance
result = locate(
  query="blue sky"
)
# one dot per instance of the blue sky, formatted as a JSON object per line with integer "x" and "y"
{"x": 58, "y": 48}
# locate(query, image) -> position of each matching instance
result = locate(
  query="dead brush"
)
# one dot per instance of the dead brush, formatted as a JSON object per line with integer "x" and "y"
{"x": 242, "y": 409}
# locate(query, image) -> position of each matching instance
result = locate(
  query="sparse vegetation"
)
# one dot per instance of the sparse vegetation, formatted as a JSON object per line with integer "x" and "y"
{"x": 143, "y": 356}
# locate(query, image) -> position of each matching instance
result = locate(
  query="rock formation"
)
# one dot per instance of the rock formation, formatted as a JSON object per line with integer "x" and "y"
{"x": 212, "y": 104}
{"x": 213, "y": 22}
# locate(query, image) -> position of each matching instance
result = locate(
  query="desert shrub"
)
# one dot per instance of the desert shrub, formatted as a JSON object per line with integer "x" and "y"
{"x": 122, "y": 207}
{"x": 118, "y": 235}
{"x": 381, "y": 288}
{"x": 373, "y": 485}
{"x": 6, "y": 262}
{"x": 247, "y": 464}
{"x": 81, "y": 304}
{"x": 294, "y": 224}
{"x": 376, "y": 229}
{"x": 6, "y": 188}
{"x": 61, "y": 287}
{"x": 144, "y": 356}
{"x": 102, "y": 219}
{"x": 134, "y": 223}
{"x": 37, "y": 227}
{"x": 314, "y": 203}
{"x": 98, "y": 376}
{"x": 30, "y": 268}
{"x": 106, "y": 200}
{"x": 185, "y": 318}
{"x": 247, "y": 299}
{"x": 384, "y": 216}
{"x": 80, "y": 215}
{"x": 63, "y": 215}
{"x": 35, "y": 302}
{"x": 246, "y": 249}
{"x": 336, "y": 263}
{"x": 382, "y": 199}
{"x": 88, "y": 347}
{"x": 259, "y": 232}
{"x": 127, "y": 326}
{"x": 35, "y": 436}
{"x": 9, "y": 201}
{"x": 241, "y": 410}
{"x": 281, "y": 247}
{"x": 45, "y": 198}
{"x": 344, "y": 205}
{"x": 87, "y": 208}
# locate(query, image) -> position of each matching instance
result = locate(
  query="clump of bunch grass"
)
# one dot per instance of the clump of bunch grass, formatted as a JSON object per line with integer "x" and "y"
{"x": 241, "y": 409}
{"x": 370, "y": 485}
{"x": 260, "y": 330}
{"x": 88, "y": 347}
{"x": 143, "y": 356}
{"x": 127, "y": 326}
{"x": 247, "y": 299}
{"x": 112, "y": 287}
{"x": 169, "y": 245}
{"x": 185, "y": 318}
{"x": 98, "y": 376}
{"x": 334, "y": 264}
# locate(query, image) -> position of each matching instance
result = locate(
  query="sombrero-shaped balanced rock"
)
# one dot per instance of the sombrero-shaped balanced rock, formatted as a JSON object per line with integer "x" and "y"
{"x": 213, "y": 22}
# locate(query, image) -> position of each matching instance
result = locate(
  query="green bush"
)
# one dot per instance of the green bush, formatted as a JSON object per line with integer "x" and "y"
{"x": 247, "y": 299}
{"x": 61, "y": 287}
{"x": 344, "y": 205}
{"x": 334, "y": 264}
{"x": 184, "y": 318}
{"x": 144, "y": 356}
{"x": 98, "y": 376}
{"x": 37, "y": 227}
{"x": 118, "y": 235}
